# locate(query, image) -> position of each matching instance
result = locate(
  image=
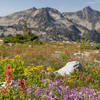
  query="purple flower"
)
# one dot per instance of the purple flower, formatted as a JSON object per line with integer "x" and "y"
{"x": 66, "y": 97}
{"x": 44, "y": 80}
{"x": 60, "y": 88}
{"x": 54, "y": 88}
{"x": 95, "y": 97}
{"x": 14, "y": 83}
{"x": 51, "y": 94}
{"x": 38, "y": 93}
{"x": 99, "y": 97}
{"x": 49, "y": 86}
{"x": 88, "y": 91}
{"x": 60, "y": 81}
{"x": 55, "y": 83}
{"x": 49, "y": 98}
{"x": 67, "y": 87}
{"x": 30, "y": 90}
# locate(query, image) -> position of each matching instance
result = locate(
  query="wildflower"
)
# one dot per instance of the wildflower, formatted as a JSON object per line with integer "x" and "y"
{"x": 14, "y": 83}
{"x": 12, "y": 60}
{"x": 17, "y": 56}
{"x": 42, "y": 71}
{"x": 29, "y": 89}
{"x": 81, "y": 77}
{"x": 49, "y": 69}
{"x": 22, "y": 86}
{"x": 35, "y": 68}
{"x": 40, "y": 67}
{"x": 38, "y": 93}
{"x": 8, "y": 74}
{"x": 5, "y": 59}
{"x": 89, "y": 78}
{"x": 51, "y": 94}
{"x": 22, "y": 82}
{"x": 3, "y": 91}
{"x": 8, "y": 67}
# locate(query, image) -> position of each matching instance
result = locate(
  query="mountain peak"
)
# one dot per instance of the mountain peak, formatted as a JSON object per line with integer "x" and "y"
{"x": 88, "y": 9}
{"x": 33, "y": 8}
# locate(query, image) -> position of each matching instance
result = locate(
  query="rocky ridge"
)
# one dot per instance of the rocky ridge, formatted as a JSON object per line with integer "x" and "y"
{"x": 51, "y": 25}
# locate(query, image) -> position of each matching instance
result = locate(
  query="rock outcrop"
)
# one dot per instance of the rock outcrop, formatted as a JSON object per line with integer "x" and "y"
{"x": 69, "y": 68}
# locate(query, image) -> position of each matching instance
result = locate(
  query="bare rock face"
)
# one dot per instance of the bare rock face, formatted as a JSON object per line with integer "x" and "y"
{"x": 48, "y": 23}
{"x": 51, "y": 25}
{"x": 69, "y": 68}
{"x": 86, "y": 17}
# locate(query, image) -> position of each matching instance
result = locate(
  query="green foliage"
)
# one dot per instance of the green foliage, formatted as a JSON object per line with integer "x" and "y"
{"x": 85, "y": 44}
{"x": 64, "y": 57}
{"x": 22, "y": 38}
{"x": 96, "y": 46}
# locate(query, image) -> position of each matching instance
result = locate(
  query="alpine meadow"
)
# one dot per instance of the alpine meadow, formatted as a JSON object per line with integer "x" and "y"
{"x": 50, "y": 53}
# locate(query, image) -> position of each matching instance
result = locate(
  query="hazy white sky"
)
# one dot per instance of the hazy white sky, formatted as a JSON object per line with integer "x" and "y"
{"x": 10, "y": 6}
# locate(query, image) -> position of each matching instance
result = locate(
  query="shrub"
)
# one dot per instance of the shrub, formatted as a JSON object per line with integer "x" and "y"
{"x": 19, "y": 38}
{"x": 96, "y": 46}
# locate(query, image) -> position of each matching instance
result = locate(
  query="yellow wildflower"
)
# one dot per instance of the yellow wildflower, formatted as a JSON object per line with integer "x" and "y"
{"x": 49, "y": 69}
{"x": 35, "y": 68}
{"x": 39, "y": 67}
{"x": 13, "y": 69}
{"x": 70, "y": 81}
{"x": 42, "y": 71}
{"x": 17, "y": 56}
{"x": 12, "y": 60}
{"x": 5, "y": 59}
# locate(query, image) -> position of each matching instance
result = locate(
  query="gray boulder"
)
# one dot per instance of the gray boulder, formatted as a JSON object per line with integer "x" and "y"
{"x": 69, "y": 68}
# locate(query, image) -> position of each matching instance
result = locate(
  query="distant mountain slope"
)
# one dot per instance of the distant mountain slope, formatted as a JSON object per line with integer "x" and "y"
{"x": 86, "y": 17}
{"x": 50, "y": 24}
